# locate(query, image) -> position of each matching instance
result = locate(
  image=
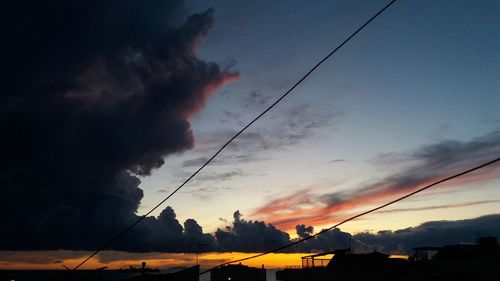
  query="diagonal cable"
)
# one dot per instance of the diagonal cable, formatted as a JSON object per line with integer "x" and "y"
{"x": 119, "y": 235}
{"x": 358, "y": 215}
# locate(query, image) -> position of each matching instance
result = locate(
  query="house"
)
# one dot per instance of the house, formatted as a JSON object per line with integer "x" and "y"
{"x": 345, "y": 265}
{"x": 479, "y": 261}
{"x": 464, "y": 262}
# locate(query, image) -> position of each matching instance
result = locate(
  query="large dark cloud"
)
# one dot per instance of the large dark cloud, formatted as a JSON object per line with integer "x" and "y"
{"x": 432, "y": 233}
{"x": 166, "y": 234}
{"x": 250, "y": 236}
{"x": 328, "y": 241}
{"x": 258, "y": 236}
{"x": 94, "y": 93}
{"x": 304, "y": 231}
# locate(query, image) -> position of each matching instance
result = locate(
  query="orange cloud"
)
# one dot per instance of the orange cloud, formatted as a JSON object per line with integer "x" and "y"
{"x": 285, "y": 212}
{"x": 197, "y": 104}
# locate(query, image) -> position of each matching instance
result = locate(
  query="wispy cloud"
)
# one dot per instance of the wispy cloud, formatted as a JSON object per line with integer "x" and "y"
{"x": 217, "y": 177}
{"x": 422, "y": 166}
{"x": 435, "y": 207}
{"x": 208, "y": 182}
{"x": 283, "y": 129}
{"x": 337, "y": 161}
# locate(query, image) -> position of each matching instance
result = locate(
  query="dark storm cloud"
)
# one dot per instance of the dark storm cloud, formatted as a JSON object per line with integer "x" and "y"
{"x": 331, "y": 240}
{"x": 242, "y": 234}
{"x": 250, "y": 236}
{"x": 93, "y": 93}
{"x": 304, "y": 231}
{"x": 433, "y": 233}
{"x": 257, "y": 236}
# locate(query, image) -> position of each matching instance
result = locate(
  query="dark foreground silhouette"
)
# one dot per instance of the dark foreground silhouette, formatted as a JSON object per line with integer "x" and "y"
{"x": 480, "y": 261}
{"x": 462, "y": 262}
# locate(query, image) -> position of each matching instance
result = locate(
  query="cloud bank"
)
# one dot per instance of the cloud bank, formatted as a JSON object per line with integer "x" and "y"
{"x": 94, "y": 93}
{"x": 255, "y": 236}
{"x": 432, "y": 233}
{"x": 249, "y": 236}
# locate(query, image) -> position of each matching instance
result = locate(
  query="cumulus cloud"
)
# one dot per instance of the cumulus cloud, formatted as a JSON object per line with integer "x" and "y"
{"x": 304, "y": 231}
{"x": 250, "y": 236}
{"x": 328, "y": 241}
{"x": 243, "y": 234}
{"x": 94, "y": 93}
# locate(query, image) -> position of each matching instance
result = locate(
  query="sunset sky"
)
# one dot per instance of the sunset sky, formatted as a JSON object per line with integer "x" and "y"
{"x": 119, "y": 103}
{"x": 418, "y": 84}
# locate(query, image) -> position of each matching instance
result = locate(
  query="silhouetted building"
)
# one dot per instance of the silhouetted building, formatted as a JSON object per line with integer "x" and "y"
{"x": 464, "y": 262}
{"x": 143, "y": 269}
{"x": 316, "y": 260}
{"x": 238, "y": 272}
{"x": 62, "y": 275}
{"x": 480, "y": 261}
{"x": 188, "y": 274}
{"x": 345, "y": 265}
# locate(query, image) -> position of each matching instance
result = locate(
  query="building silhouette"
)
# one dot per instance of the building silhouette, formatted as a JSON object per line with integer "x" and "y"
{"x": 238, "y": 272}
{"x": 479, "y": 261}
{"x": 345, "y": 265}
{"x": 462, "y": 262}
{"x": 188, "y": 274}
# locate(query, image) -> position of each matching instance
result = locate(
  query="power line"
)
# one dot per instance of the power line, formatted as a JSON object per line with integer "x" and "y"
{"x": 358, "y": 215}
{"x": 119, "y": 235}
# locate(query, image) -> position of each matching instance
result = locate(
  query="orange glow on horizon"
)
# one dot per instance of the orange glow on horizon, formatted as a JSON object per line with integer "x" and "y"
{"x": 33, "y": 260}
{"x": 403, "y": 257}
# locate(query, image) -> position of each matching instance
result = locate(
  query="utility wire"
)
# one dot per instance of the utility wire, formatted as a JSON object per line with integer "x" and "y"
{"x": 357, "y": 216}
{"x": 119, "y": 235}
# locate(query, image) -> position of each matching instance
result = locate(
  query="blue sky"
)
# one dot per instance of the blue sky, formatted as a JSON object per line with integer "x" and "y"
{"x": 422, "y": 73}
{"x": 104, "y": 115}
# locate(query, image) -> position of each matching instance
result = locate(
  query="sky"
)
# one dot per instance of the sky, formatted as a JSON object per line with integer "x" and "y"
{"x": 117, "y": 106}
{"x": 421, "y": 77}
